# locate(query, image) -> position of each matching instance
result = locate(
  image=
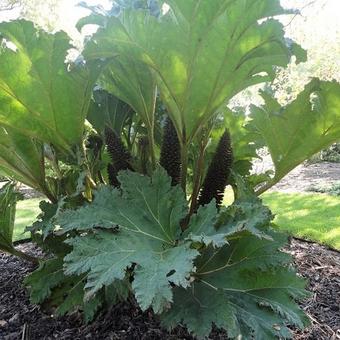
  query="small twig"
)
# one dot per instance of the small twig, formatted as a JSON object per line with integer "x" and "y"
{"x": 320, "y": 326}
{"x": 322, "y": 267}
{"x": 26, "y": 334}
{"x": 300, "y": 11}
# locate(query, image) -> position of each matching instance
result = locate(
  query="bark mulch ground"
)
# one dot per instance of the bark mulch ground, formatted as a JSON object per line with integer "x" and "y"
{"x": 320, "y": 265}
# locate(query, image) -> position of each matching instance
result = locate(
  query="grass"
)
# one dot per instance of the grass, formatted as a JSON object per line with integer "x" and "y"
{"x": 311, "y": 216}
{"x": 26, "y": 213}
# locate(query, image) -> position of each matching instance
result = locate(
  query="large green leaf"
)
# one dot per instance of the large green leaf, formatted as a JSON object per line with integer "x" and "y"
{"x": 202, "y": 52}
{"x": 142, "y": 228}
{"x": 245, "y": 215}
{"x": 40, "y": 95}
{"x": 244, "y": 287}
{"x": 21, "y": 158}
{"x": 106, "y": 256}
{"x": 48, "y": 283}
{"x": 295, "y": 132}
{"x": 129, "y": 80}
{"x": 107, "y": 110}
{"x": 202, "y": 227}
{"x": 150, "y": 208}
{"x": 231, "y": 273}
{"x": 48, "y": 276}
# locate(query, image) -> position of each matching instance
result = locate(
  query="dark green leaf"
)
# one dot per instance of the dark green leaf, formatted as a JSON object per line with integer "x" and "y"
{"x": 142, "y": 226}
{"x": 48, "y": 276}
{"x": 245, "y": 215}
{"x": 202, "y": 229}
{"x": 244, "y": 287}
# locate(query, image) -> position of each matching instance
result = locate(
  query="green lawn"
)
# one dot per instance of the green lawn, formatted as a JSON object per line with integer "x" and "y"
{"x": 26, "y": 213}
{"x": 312, "y": 216}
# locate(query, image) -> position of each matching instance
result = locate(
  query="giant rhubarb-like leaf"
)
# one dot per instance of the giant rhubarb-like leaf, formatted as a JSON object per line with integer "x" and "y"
{"x": 21, "y": 158}
{"x": 142, "y": 229}
{"x": 245, "y": 288}
{"x": 201, "y": 52}
{"x": 125, "y": 76}
{"x": 300, "y": 129}
{"x": 39, "y": 95}
{"x": 127, "y": 79}
{"x": 48, "y": 283}
{"x": 230, "y": 273}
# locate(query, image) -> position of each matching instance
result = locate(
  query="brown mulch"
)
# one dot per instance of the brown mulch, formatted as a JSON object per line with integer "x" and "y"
{"x": 320, "y": 265}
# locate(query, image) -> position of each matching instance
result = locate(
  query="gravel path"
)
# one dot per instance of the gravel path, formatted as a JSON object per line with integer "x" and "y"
{"x": 305, "y": 176}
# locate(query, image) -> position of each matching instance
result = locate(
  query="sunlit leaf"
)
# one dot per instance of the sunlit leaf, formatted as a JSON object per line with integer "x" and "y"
{"x": 40, "y": 95}
{"x": 202, "y": 52}
{"x": 293, "y": 133}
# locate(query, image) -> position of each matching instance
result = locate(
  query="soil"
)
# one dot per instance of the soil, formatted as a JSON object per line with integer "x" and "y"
{"x": 320, "y": 265}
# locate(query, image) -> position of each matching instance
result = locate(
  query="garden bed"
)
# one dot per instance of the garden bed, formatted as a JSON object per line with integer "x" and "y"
{"x": 320, "y": 265}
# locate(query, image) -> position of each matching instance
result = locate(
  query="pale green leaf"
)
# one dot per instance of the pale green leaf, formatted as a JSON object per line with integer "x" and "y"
{"x": 21, "y": 158}
{"x": 126, "y": 77}
{"x": 201, "y": 52}
{"x": 8, "y": 201}
{"x": 39, "y": 95}
{"x": 295, "y": 132}
{"x": 133, "y": 83}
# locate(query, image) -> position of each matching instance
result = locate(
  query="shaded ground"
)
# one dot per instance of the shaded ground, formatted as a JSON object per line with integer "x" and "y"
{"x": 303, "y": 177}
{"x": 126, "y": 322}
{"x": 321, "y": 266}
